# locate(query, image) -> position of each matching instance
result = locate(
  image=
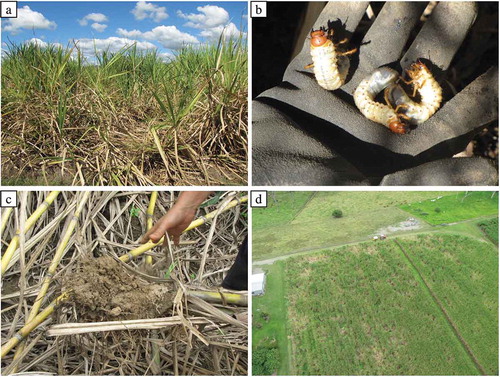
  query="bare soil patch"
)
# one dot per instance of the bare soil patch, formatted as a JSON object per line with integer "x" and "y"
{"x": 103, "y": 290}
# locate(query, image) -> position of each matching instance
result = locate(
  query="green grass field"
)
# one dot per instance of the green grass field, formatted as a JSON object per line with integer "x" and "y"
{"x": 271, "y": 329}
{"x": 357, "y": 202}
{"x": 455, "y": 207}
{"x": 282, "y": 207}
{"x": 292, "y": 223}
{"x": 125, "y": 118}
{"x": 361, "y": 310}
{"x": 282, "y": 239}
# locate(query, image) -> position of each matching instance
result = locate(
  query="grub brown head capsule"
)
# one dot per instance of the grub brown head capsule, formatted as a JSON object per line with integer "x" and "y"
{"x": 330, "y": 64}
{"x": 398, "y": 127}
{"x": 318, "y": 38}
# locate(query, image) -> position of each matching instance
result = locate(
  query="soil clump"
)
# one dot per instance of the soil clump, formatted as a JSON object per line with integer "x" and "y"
{"x": 103, "y": 290}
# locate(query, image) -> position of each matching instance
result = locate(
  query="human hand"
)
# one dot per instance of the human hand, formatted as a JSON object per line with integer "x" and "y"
{"x": 177, "y": 219}
{"x": 304, "y": 134}
{"x": 173, "y": 223}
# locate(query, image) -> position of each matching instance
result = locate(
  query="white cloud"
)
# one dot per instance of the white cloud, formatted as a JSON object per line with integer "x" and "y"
{"x": 167, "y": 36}
{"x": 134, "y": 34}
{"x": 228, "y": 31}
{"x": 98, "y": 27}
{"x": 27, "y": 19}
{"x": 210, "y": 16}
{"x": 96, "y": 17}
{"x": 212, "y": 21}
{"x": 145, "y": 10}
{"x": 112, "y": 44}
{"x": 166, "y": 56}
{"x": 36, "y": 41}
{"x": 40, "y": 43}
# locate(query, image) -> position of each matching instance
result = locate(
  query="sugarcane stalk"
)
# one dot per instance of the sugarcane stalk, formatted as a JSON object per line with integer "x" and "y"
{"x": 132, "y": 324}
{"x": 14, "y": 243}
{"x": 53, "y": 266}
{"x": 221, "y": 297}
{"x": 155, "y": 366}
{"x": 194, "y": 224}
{"x": 234, "y": 298}
{"x": 5, "y": 218}
{"x": 58, "y": 255}
{"x": 30, "y": 326}
{"x": 149, "y": 214}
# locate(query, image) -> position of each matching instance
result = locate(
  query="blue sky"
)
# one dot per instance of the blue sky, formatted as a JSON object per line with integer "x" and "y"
{"x": 163, "y": 25}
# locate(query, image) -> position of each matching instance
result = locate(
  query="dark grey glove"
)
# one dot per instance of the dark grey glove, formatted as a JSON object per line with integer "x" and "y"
{"x": 306, "y": 135}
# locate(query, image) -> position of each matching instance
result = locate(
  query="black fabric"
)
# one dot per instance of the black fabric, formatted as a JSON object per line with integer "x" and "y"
{"x": 306, "y": 135}
{"x": 237, "y": 277}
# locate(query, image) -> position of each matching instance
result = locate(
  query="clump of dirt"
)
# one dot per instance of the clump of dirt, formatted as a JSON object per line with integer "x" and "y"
{"x": 103, "y": 290}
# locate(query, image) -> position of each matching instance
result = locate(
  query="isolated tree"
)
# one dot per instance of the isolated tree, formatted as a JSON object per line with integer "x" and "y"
{"x": 337, "y": 213}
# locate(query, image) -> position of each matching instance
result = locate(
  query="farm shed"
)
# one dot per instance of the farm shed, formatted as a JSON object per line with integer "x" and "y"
{"x": 258, "y": 281}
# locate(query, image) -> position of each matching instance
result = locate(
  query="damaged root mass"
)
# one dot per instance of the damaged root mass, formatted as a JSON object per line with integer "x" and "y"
{"x": 103, "y": 290}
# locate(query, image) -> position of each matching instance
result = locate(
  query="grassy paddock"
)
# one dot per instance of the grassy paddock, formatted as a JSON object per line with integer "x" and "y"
{"x": 359, "y": 310}
{"x": 322, "y": 204}
{"x": 125, "y": 118}
{"x": 288, "y": 225}
{"x": 282, "y": 207}
{"x": 455, "y": 207}
{"x": 284, "y": 239}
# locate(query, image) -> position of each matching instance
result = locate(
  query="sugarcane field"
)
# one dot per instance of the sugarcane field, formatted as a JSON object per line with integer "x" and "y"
{"x": 368, "y": 283}
{"x": 92, "y": 284}
{"x": 135, "y": 94}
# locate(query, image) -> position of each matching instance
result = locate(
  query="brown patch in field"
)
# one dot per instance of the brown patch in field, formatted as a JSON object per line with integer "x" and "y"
{"x": 367, "y": 329}
{"x": 476, "y": 275}
{"x": 372, "y": 250}
{"x": 102, "y": 289}
{"x": 316, "y": 258}
{"x": 305, "y": 273}
{"x": 378, "y": 355}
{"x": 448, "y": 255}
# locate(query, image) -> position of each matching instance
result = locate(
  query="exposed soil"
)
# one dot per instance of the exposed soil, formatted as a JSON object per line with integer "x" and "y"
{"x": 103, "y": 290}
{"x": 409, "y": 224}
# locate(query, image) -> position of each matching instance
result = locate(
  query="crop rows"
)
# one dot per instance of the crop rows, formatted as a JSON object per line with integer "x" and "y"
{"x": 362, "y": 310}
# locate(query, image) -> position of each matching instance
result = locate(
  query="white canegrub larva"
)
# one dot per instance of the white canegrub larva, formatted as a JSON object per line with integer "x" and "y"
{"x": 428, "y": 88}
{"x": 330, "y": 66}
{"x": 364, "y": 97}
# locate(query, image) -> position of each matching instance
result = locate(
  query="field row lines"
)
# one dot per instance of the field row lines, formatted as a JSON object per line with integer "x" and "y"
{"x": 303, "y": 207}
{"x": 447, "y": 317}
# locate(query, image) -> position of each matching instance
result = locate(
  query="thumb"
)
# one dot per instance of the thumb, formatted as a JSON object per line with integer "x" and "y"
{"x": 154, "y": 234}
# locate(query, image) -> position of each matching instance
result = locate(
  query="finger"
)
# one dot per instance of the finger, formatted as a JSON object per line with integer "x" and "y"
{"x": 146, "y": 238}
{"x": 303, "y": 154}
{"x": 177, "y": 239}
{"x": 471, "y": 109}
{"x": 386, "y": 39}
{"x": 347, "y": 12}
{"x": 442, "y": 34}
{"x": 155, "y": 233}
{"x": 447, "y": 172}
